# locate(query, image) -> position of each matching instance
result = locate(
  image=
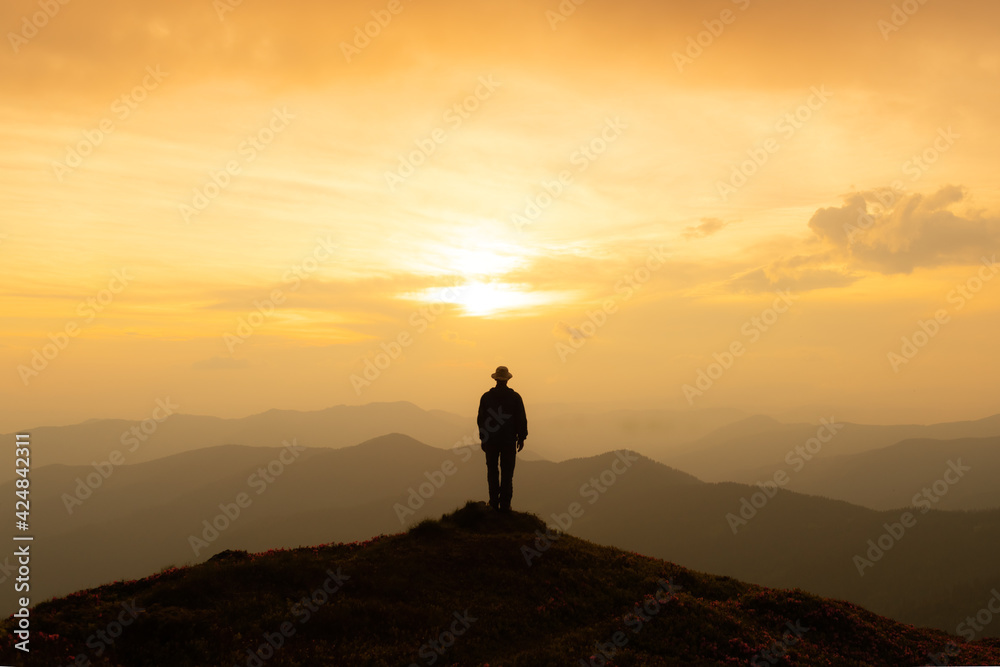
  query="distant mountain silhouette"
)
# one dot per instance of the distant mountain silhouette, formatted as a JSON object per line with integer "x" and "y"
{"x": 143, "y": 517}
{"x": 896, "y": 476}
{"x": 339, "y": 426}
{"x": 474, "y": 588}
{"x": 741, "y": 451}
{"x": 557, "y": 432}
{"x": 569, "y": 431}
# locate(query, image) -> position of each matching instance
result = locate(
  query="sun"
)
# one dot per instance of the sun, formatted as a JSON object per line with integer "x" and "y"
{"x": 481, "y": 262}
{"x": 478, "y": 277}
{"x": 484, "y": 299}
{"x": 480, "y": 298}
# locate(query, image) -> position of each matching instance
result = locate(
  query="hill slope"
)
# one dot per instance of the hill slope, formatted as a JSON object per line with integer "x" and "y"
{"x": 475, "y": 588}
{"x": 144, "y": 516}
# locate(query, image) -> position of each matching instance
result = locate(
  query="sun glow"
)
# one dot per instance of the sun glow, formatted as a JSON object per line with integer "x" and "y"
{"x": 477, "y": 298}
{"x": 481, "y": 262}
{"x": 476, "y": 271}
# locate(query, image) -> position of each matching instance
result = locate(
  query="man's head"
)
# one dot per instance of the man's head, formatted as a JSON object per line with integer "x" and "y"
{"x": 502, "y": 375}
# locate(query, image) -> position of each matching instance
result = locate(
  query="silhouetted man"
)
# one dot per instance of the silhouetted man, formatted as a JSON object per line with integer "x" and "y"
{"x": 503, "y": 427}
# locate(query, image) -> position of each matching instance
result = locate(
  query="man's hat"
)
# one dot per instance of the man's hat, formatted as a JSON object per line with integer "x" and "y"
{"x": 502, "y": 374}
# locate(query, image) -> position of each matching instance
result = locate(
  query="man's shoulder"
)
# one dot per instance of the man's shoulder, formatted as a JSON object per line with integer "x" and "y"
{"x": 501, "y": 391}
{"x": 513, "y": 396}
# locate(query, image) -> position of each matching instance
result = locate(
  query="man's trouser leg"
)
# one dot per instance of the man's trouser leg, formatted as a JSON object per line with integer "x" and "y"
{"x": 508, "y": 457}
{"x": 493, "y": 474}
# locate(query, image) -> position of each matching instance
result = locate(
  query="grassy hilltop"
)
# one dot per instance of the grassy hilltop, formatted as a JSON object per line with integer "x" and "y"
{"x": 474, "y": 588}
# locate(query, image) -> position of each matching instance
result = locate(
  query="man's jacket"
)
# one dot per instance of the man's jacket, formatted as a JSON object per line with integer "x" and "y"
{"x": 501, "y": 416}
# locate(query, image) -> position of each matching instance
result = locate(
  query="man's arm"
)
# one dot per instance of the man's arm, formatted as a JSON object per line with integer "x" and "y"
{"x": 481, "y": 418}
{"x": 482, "y": 415}
{"x": 522, "y": 424}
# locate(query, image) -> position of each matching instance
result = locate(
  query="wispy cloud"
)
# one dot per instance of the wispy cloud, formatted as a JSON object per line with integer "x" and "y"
{"x": 707, "y": 227}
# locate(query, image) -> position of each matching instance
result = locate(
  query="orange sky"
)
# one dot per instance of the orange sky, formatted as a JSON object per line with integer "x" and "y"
{"x": 482, "y": 181}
